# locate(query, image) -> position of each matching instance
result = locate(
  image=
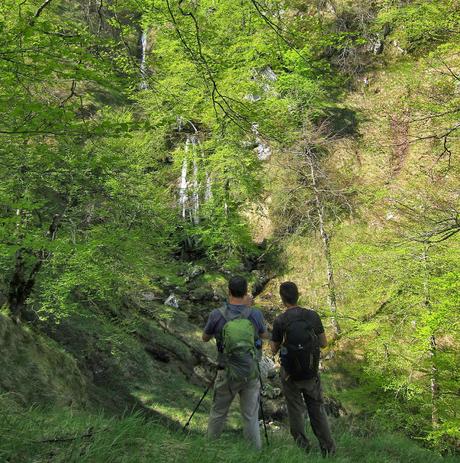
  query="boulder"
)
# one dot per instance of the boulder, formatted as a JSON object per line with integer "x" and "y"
{"x": 333, "y": 407}
{"x": 194, "y": 272}
{"x": 172, "y": 301}
{"x": 274, "y": 410}
{"x": 203, "y": 293}
{"x": 267, "y": 368}
{"x": 150, "y": 297}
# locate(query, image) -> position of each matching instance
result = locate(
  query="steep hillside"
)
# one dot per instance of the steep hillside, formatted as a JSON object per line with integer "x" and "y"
{"x": 149, "y": 150}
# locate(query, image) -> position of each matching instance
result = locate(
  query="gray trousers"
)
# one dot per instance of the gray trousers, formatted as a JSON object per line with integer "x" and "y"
{"x": 224, "y": 393}
{"x": 303, "y": 396}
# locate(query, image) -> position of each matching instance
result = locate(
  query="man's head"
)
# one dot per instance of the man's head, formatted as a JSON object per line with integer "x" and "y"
{"x": 289, "y": 293}
{"x": 237, "y": 287}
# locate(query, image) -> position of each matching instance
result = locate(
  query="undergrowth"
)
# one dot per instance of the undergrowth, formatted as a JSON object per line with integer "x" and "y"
{"x": 62, "y": 435}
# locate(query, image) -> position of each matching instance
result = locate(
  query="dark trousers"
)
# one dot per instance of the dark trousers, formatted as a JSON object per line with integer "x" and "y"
{"x": 303, "y": 396}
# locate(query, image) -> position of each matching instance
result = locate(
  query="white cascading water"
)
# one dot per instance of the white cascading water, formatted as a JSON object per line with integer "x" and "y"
{"x": 195, "y": 195}
{"x": 144, "y": 44}
{"x": 185, "y": 185}
{"x": 183, "y": 188}
{"x": 189, "y": 190}
{"x": 208, "y": 190}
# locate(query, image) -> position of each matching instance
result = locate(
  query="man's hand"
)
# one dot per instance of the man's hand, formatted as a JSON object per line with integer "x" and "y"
{"x": 275, "y": 346}
{"x": 264, "y": 335}
{"x": 206, "y": 337}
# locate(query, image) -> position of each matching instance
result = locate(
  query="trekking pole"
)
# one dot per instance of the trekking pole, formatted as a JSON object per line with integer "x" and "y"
{"x": 261, "y": 405}
{"x": 199, "y": 403}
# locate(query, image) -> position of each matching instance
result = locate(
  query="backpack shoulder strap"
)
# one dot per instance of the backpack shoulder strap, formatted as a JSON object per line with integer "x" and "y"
{"x": 246, "y": 312}
{"x": 302, "y": 316}
{"x": 224, "y": 312}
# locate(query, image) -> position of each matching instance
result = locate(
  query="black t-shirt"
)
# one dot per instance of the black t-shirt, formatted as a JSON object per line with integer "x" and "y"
{"x": 280, "y": 323}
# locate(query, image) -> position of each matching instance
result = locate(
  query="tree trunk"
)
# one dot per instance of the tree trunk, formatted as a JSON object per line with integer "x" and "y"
{"x": 434, "y": 386}
{"x": 21, "y": 286}
{"x": 22, "y": 281}
{"x": 327, "y": 249}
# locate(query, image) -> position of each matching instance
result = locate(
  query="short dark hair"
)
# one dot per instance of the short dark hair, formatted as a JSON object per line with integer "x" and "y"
{"x": 289, "y": 292}
{"x": 238, "y": 286}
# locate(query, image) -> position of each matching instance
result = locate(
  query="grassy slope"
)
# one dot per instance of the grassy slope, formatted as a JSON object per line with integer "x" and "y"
{"x": 96, "y": 438}
{"x": 164, "y": 389}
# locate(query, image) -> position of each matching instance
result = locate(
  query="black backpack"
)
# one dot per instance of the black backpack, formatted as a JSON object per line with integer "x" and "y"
{"x": 300, "y": 352}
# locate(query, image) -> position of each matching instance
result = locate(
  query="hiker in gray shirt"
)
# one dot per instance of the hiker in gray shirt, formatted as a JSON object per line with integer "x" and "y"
{"x": 235, "y": 325}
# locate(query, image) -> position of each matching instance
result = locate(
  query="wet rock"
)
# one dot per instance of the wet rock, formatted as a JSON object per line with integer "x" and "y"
{"x": 193, "y": 273}
{"x": 268, "y": 73}
{"x": 172, "y": 301}
{"x": 261, "y": 282}
{"x": 333, "y": 407}
{"x": 274, "y": 410}
{"x": 267, "y": 367}
{"x": 149, "y": 297}
{"x": 271, "y": 392}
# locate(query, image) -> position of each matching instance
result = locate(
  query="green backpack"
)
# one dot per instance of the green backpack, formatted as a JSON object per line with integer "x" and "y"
{"x": 238, "y": 342}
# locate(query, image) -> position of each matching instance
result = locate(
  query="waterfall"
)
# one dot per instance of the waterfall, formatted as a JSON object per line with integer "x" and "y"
{"x": 144, "y": 43}
{"x": 208, "y": 190}
{"x": 183, "y": 188}
{"x": 195, "y": 195}
{"x": 191, "y": 191}
{"x": 190, "y": 201}
{"x": 263, "y": 150}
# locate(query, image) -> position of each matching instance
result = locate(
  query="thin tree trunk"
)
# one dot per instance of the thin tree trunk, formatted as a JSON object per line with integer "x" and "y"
{"x": 434, "y": 386}
{"x": 327, "y": 249}
{"x": 22, "y": 281}
{"x": 21, "y": 286}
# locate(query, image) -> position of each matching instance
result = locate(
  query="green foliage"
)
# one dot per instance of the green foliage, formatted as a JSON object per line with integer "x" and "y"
{"x": 422, "y": 25}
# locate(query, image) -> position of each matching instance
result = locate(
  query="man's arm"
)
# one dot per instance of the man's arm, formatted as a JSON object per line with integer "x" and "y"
{"x": 209, "y": 329}
{"x": 322, "y": 340}
{"x": 277, "y": 336}
{"x": 319, "y": 330}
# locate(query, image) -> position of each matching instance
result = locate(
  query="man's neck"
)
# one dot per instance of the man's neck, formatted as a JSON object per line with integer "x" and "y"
{"x": 291, "y": 306}
{"x": 236, "y": 300}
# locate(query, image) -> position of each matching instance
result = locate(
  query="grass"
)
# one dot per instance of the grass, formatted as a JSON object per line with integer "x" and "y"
{"x": 38, "y": 435}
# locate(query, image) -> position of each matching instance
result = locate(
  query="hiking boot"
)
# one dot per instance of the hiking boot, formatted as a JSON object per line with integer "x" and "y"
{"x": 327, "y": 452}
{"x": 303, "y": 444}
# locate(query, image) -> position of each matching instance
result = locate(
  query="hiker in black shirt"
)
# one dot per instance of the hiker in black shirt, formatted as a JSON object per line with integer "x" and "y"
{"x": 302, "y": 394}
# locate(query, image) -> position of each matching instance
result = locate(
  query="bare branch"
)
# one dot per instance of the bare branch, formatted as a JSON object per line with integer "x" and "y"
{"x": 41, "y": 8}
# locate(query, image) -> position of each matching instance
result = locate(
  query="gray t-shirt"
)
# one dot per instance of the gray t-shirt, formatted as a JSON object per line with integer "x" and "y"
{"x": 216, "y": 321}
